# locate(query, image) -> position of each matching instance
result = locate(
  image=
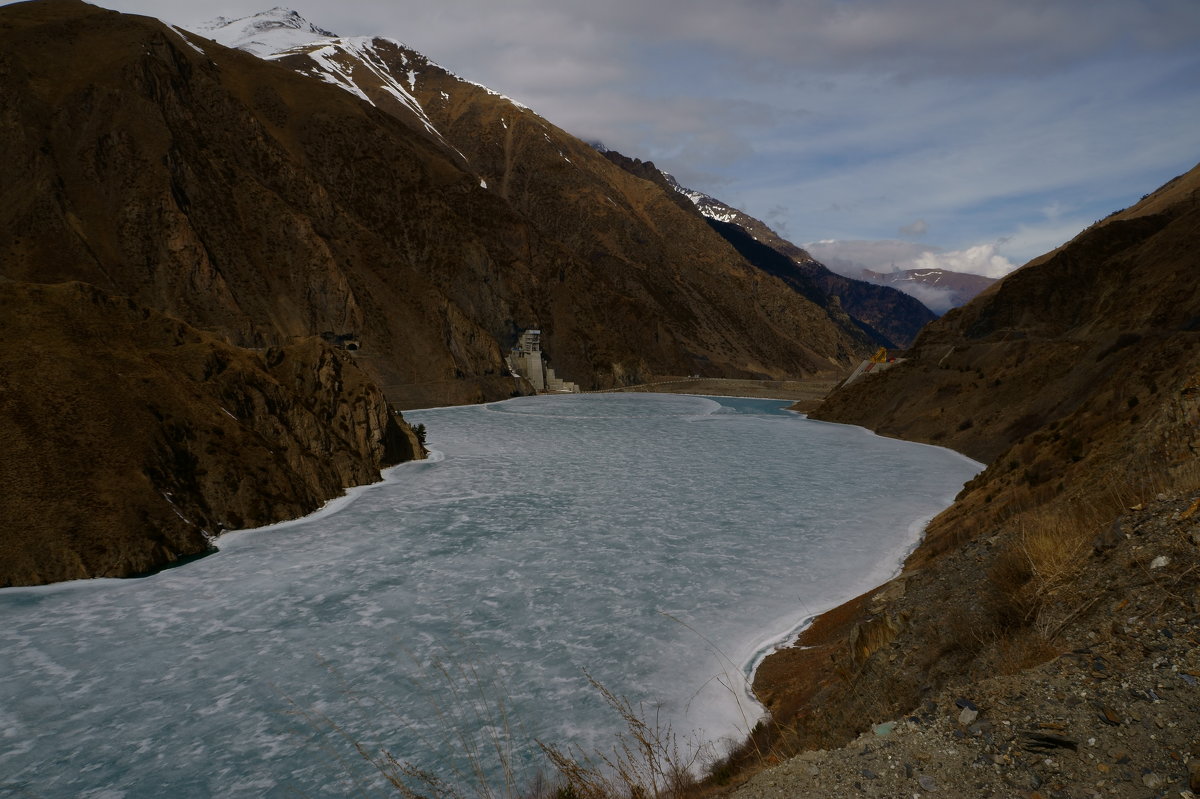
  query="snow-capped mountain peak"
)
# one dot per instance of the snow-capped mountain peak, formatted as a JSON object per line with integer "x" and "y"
{"x": 357, "y": 64}
{"x": 376, "y": 69}
{"x": 266, "y": 33}
{"x": 706, "y": 204}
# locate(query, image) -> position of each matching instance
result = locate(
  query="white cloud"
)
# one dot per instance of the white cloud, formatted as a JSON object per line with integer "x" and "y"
{"x": 935, "y": 299}
{"x": 918, "y": 228}
{"x": 850, "y": 257}
{"x": 982, "y": 259}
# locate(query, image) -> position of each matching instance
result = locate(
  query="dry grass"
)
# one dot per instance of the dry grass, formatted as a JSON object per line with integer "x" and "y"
{"x": 1031, "y": 579}
{"x": 646, "y": 762}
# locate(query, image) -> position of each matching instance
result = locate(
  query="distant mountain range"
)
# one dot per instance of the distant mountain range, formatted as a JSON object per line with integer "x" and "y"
{"x": 886, "y": 316}
{"x": 958, "y": 288}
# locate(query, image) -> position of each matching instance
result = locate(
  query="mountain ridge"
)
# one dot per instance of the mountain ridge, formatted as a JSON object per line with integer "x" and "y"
{"x": 959, "y": 287}
{"x": 876, "y": 316}
{"x": 570, "y": 188}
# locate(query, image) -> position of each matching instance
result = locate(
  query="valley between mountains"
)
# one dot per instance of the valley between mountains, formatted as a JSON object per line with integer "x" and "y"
{"x": 231, "y": 258}
{"x": 350, "y": 193}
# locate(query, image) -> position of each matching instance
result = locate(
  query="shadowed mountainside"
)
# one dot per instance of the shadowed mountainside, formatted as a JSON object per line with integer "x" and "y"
{"x": 874, "y": 314}
{"x": 130, "y": 439}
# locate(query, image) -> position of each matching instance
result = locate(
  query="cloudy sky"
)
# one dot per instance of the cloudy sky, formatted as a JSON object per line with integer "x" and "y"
{"x": 974, "y": 133}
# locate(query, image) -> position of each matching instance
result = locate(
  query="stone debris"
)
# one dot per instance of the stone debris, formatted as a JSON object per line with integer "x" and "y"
{"x": 1115, "y": 714}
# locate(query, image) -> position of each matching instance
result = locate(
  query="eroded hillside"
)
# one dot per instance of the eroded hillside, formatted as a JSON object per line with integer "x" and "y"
{"x": 1077, "y": 380}
{"x": 131, "y": 439}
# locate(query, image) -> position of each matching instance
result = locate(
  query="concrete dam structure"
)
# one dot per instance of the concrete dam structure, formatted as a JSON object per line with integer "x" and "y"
{"x": 526, "y": 359}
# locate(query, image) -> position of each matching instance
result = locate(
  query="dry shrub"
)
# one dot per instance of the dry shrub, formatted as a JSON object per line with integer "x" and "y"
{"x": 959, "y": 635}
{"x": 1034, "y": 575}
{"x": 1055, "y": 548}
{"x": 1016, "y": 653}
{"x": 1007, "y": 579}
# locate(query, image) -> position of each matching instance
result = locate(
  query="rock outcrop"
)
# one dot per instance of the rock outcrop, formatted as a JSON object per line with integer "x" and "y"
{"x": 130, "y": 439}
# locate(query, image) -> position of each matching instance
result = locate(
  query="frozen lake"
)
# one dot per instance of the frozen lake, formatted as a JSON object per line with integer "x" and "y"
{"x": 658, "y": 543}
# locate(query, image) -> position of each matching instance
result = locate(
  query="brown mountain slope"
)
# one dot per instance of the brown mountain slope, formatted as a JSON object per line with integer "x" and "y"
{"x": 1077, "y": 380}
{"x": 1079, "y": 338}
{"x": 129, "y": 439}
{"x": 264, "y": 204}
{"x": 676, "y": 297}
{"x": 240, "y": 197}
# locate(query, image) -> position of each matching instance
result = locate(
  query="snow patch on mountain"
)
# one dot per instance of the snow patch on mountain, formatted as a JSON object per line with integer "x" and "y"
{"x": 706, "y": 204}
{"x": 492, "y": 92}
{"x": 355, "y": 64}
{"x": 186, "y": 40}
{"x": 281, "y": 32}
{"x": 265, "y": 33}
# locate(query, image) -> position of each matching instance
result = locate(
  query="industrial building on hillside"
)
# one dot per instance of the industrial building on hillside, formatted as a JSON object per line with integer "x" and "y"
{"x": 525, "y": 359}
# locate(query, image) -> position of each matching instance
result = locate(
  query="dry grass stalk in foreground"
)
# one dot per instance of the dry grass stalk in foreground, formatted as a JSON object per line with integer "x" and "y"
{"x": 646, "y": 762}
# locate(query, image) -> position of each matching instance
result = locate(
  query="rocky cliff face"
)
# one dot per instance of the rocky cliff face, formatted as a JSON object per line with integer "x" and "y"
{"x": 1077, "y": 380}
{"x": 131, "y": 439}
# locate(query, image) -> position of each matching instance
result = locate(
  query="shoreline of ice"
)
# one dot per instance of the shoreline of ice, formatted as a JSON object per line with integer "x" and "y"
{"x": 874, "y": 580}
{"x": 733, "y": 712}
{"x": 231, "y": 540}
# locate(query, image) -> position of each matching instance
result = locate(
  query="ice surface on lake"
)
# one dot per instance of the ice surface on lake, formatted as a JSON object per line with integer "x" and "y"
{"x": 657, "y": 542}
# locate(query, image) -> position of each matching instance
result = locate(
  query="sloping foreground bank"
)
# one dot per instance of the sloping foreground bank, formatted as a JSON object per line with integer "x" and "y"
{"x": 1111, "y": 709}
{"x": 130, "y": 439}
{"x": 1073, "y": 561}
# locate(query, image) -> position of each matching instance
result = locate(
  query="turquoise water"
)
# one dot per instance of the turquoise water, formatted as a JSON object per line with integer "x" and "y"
{"x": 657, "y": 543}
